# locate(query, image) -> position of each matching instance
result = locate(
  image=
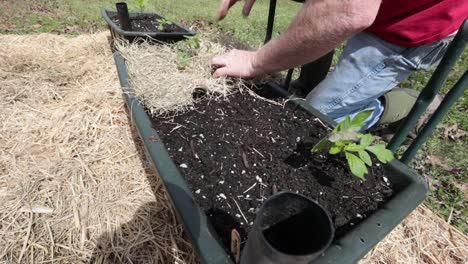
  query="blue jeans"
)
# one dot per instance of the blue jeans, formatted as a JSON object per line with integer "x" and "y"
{"x": 368, "y": 68}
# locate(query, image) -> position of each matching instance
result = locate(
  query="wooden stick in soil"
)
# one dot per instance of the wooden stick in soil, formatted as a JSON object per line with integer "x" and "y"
{"x": 235, "y": 244}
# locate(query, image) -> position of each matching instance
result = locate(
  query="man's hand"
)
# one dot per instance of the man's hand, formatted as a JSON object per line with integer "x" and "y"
{"x": 236, "y": 63}
{"x": 226, "y": 4}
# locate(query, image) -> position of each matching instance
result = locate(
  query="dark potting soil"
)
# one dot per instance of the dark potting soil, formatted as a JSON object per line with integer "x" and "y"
{"x": 236, "y": 152}
{"x": 148, "y": 23}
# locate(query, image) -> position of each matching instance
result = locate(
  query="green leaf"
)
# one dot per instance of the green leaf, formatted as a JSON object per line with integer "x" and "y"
{"x": 381, "y": 152}
{"x": 338, "y": 127}
{"x": 347, "y": 122}
{"x": 141, "y": 4}
{"x": 366, "y": 139}
{"x": 360, "y": 119}
{"x": 334, "y": 150}
{"x": 342, "y": 142}
{"x": 356, "y": 165}
{"x": 343, "y": 125}
{"x": 193, "y": 42}
{"x": 346, "y": 134}
{"x": 320, "y": 146}
{"x": 354, "y": 147}
{"x": 365, "y": 157}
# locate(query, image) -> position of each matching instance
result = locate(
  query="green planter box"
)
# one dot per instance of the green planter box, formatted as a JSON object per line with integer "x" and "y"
{"x": 118, "y": 33}
{"x": 410, "y": 190}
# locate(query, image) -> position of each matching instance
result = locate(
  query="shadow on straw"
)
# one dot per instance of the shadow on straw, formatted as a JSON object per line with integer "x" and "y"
{"x": 153, "y": 235}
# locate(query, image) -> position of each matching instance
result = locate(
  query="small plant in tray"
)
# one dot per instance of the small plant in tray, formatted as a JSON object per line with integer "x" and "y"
{"x": 345, "y": 138}
{"x": 163, "y": 24}
{"x": 143, "y": 24}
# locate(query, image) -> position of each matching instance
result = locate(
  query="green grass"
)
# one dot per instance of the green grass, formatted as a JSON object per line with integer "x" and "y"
{"x": 74, "y": 17}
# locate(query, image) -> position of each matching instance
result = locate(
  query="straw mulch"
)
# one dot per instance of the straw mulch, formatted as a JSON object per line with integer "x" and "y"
{"x": 72, "y": 184}
{"x": 162, "y": 82}
{"x": 75, "y": 187}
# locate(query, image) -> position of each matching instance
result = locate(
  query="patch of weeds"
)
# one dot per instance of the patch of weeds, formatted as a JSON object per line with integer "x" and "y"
{"x": 186, "y": 50}
{"x": 443, "y": 162}
{"x": 448, "y": 199}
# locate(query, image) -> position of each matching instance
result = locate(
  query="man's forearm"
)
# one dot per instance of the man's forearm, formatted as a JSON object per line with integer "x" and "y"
{"x": 319, "y": 27}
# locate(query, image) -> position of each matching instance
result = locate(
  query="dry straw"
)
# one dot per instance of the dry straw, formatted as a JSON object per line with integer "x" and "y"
{"x": 165, "y": 77}
{"x": 165, "y": 83}
{"x": 74, "y": 185}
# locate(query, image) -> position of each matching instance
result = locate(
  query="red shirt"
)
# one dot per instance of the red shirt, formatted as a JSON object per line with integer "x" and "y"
{"x": 413, "y": 23}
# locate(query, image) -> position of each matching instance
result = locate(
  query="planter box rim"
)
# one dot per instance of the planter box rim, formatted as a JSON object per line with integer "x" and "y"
{"x": 410, "y": 190}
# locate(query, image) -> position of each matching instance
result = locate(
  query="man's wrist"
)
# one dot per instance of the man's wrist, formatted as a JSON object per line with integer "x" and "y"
{"x": 256, "y": 66}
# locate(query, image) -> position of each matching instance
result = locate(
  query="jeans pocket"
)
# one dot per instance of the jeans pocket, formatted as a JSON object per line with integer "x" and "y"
{"x": 434, "y": 56}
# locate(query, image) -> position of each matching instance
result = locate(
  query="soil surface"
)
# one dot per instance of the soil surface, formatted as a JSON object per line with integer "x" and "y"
{"x": 149, "y": 23}
{"x": 236, "y": 152}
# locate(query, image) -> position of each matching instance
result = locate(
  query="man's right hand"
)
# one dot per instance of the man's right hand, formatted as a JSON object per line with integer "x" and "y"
{"x": 226, "y": 4}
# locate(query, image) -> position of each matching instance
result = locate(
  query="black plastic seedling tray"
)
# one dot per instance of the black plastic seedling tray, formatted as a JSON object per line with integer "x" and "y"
{"x": 410, "y": 190}
{"x": 166, "y": 37}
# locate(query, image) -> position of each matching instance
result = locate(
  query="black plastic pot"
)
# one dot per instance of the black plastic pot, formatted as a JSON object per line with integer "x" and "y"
{"x": 165, "y": 37}
{"x": 288, "y": 228}
{"x": 410, "y": 190}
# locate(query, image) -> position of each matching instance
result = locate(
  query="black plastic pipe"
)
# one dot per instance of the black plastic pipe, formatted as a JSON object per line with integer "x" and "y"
{"x": 287, "y": 81}
{"x": 124, "y": 17}
{"x": 271, "y": 21}
{"x": 288, "y": 228}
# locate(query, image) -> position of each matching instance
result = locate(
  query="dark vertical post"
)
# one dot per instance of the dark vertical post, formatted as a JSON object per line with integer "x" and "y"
{"x": 271, "y": 20}
{"x": 124, "y": 17}
{"x": 287, "y": 81}
{"x": 453, "y": 52}
{"x": 444, "y": 107}
{"x": 314, "y": 72}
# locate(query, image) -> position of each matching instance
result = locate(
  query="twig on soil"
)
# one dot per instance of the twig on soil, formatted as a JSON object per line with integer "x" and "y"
{"x": 177, "y": 127}
{"x": 252, "y": 93}
{"x": 192, "y": 147}
{"x": 250, "y": 188}
{"x": 258, "y": 152}
{"x": 238, "y": 207}
{"x": 320, "y": 121}
{"x": 244, "y": 159}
